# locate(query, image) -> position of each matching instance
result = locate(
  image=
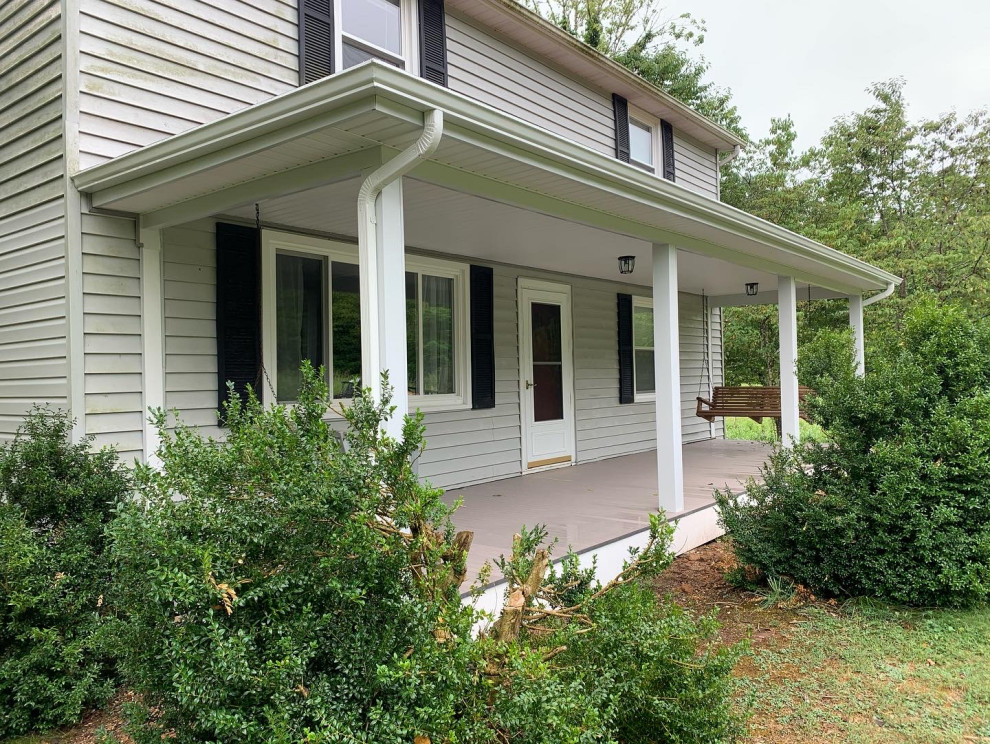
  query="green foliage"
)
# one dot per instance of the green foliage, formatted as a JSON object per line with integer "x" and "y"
{"x": 56, "y": 499}
{"x": 910, "y": 196}
{"x": 623, "y": 666}
{"x": 273, "y": 593}
{"x": 283, "y": 585}
{"x": 895, "y": 505}
{"x": 828, "y": 356}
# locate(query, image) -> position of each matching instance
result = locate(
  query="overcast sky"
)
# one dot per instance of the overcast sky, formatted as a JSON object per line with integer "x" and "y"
{"x": 814, "y": 59}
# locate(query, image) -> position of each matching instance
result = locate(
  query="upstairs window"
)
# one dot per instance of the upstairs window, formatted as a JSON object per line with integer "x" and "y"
{"x": 376, "y": 29}
{"x": 337, "y": 34}
{"x": 371, "y": 28}
{"x": 641, "y": 147}
{"x": 644, "y": 141}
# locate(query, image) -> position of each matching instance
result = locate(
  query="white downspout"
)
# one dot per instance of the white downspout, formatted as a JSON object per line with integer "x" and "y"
{"x": 736, "y": 151}
{"x": 372, "y": 336}
{"x": 882, "y": 296}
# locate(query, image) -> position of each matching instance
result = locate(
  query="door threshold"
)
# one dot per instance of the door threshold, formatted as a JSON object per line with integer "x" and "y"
{"x": 549, "y": 461}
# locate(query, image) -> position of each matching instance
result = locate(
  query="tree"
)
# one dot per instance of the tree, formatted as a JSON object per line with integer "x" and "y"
{"x": 912, "y": 197}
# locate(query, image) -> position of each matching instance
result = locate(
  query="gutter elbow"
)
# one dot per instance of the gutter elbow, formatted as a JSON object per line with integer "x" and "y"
{"x": 882, "y": 296}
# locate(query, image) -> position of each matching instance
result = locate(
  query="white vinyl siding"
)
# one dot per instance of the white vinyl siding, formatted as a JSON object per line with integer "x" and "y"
{"x": 190, "y": 292}
{"x": 463, "y": 446}
{"x": 492, "y": 71}
{"x": 33, "y": 352}
{"x": 154, "y": 68}
{"x": 112, "y": 333}
{"x": 695, "y": 166}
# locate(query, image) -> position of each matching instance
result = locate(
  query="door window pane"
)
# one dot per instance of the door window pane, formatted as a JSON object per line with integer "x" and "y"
{"x": 438, "y": 335}
{"x": 378, "y": 22}
{"x": 546, "y": 332}
{"x": 548, "y": 368}
{"x": 299, "y": 311}
{"x": 346, "y": 325}
{"x": 640, "y": 143}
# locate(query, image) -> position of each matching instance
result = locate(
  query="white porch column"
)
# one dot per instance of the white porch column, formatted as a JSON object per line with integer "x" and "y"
{"x": 383, "y": 304}
{"x": 152, "y": 336}
{"x": 666, "y": 354}
{"x": 856, "y": 323}
{"x": 787, "y": 316}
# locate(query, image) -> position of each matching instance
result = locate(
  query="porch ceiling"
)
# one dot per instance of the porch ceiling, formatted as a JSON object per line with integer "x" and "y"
{"x": 442, "y": 220}
{"x": 336, "y": 129}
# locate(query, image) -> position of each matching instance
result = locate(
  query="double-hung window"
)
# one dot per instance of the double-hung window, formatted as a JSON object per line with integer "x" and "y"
{"x": 312, "y": 312}
{"x": 644, "y": 142}
{"x": 380, "y": 29}
{"x": 644, "y": 368}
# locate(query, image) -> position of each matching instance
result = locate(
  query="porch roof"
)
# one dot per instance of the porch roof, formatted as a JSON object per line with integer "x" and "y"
{"x": 344, "y": 125}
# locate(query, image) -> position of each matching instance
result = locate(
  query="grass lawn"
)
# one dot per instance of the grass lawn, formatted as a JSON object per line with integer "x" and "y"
{"x": 865, "y": 673}
{"x": 745, "y": 428}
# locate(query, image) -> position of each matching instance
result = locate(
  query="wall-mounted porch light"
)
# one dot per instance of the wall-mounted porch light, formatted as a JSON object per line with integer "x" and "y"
{"x": 627, "y": 264}
{"x": 752, "y": 289}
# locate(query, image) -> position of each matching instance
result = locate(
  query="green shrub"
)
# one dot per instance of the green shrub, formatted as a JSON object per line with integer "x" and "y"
{"x": 56, "y": 499}
{"x": 896, "y": 505}
{"x": 612, "y": 663}
{"x": 828, "y": 356}
{"x": 287, "y": 586}
{"x": 271, "y": 590}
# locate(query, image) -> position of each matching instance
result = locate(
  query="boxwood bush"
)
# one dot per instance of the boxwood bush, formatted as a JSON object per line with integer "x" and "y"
{"x": 896, "y": 504}
{"x": 289, "y": 585}
{"x": 56, "y": 499}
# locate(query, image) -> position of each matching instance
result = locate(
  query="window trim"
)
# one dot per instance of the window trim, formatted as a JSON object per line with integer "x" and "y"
{"x": 653, "y": 123}
{"x": 274, "y": 242}
{"x": 409, "y": 20}
{"x": 644, "y": 397}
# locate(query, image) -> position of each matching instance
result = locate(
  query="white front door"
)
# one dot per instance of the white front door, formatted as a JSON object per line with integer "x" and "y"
{"x": 546, "y": 373}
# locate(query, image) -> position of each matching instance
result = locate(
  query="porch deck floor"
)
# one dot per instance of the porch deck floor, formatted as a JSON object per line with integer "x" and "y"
{"x": 592, "y": 503}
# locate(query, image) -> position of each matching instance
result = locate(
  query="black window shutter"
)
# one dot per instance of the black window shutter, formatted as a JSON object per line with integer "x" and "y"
{"x": 315, "y": 40}
{"x": 432, "y": 42}
{"x": 626, "y": 381}
{"x": 620, "y": 106}
{"x": 667, "y": 140}
{"x": 238, "y": 309}
{"x": 482, "y": 337}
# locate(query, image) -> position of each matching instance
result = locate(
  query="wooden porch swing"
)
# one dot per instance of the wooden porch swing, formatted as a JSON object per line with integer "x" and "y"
{"x": 756, "y": 403}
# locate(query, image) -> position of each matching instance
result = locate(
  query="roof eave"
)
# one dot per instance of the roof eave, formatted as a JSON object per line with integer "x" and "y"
{"x": 376, "y": 79}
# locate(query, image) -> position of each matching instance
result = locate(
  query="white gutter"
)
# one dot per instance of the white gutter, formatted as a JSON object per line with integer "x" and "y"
{"x": 882, "y": 296}
{"x": 368, "y": 253}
